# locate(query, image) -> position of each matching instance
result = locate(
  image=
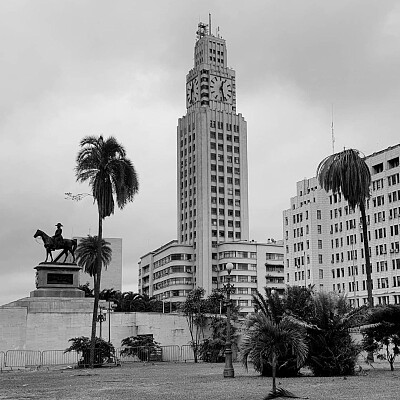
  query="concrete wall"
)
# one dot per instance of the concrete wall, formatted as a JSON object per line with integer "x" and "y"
{"x": 48, "y": 324}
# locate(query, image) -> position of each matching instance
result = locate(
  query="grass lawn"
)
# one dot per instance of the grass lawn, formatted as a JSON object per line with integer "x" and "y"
{"x": 165, "y": 381}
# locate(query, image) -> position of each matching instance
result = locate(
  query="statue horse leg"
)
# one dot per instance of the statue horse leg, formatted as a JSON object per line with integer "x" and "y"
{"x": 48, "y": 252}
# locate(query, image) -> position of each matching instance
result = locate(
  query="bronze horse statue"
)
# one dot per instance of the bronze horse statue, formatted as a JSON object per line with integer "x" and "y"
{"x": 68, "y": 245}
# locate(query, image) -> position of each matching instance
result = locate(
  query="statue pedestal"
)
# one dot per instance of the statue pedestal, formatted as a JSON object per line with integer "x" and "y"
{"x": 57, "y": 280}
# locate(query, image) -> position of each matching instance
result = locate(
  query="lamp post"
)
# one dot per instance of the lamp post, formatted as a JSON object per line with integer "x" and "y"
{"x": 228, "y": 370}
{"x": 101, "y": 318}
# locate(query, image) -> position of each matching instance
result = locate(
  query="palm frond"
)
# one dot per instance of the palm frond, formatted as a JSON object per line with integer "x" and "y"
{"x": 86, "y": 254}
{"x": 104, "y": 164}
{"x": 280, "y": 392}
{"x": 346, "y": 172}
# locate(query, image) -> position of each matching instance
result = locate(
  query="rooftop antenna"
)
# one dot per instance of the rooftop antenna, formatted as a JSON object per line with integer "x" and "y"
{"x": 209, "y": 23}
{"x": 333, "y": 135}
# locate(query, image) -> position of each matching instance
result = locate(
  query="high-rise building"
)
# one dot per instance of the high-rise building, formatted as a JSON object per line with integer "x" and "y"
{"x": 212, "y": 191}
{"x": 323, "y": 238}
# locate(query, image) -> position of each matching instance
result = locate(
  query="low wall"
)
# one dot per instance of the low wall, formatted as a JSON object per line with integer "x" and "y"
{"x": 46, "y": 324}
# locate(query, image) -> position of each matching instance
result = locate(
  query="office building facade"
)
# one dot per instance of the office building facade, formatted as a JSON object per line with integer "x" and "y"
{"x": 212, "y": 191}
{"x": 323, "y": 244}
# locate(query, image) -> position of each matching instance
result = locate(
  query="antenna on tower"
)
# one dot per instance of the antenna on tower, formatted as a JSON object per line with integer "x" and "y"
{"x": 209, "y": 24}
{"x": 333, "y": 135}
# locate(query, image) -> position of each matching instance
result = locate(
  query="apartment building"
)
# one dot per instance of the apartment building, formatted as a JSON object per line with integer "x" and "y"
{"x": 323, "y": 239}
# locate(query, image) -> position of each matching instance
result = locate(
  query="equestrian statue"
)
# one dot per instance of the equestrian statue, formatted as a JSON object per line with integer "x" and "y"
{"x": 57, "y": 242}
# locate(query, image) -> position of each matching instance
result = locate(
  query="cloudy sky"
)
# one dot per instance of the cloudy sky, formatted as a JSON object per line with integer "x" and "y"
{"x": 91, "y": 67}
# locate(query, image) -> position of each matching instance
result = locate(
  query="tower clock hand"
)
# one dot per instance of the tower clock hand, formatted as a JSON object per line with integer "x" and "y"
{"x": 221, "y": 89}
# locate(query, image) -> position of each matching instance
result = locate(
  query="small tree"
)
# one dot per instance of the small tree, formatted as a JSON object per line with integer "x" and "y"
{"x": 275, "y": 308}
{"x": 194, "y": 308}
{"x": 269, "y": 339}
{"x": 383, "y": 334}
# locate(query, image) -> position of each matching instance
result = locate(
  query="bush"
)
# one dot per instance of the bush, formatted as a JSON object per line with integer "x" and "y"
{"x": 104, "y": 351}
{"x": 332, "y": 351}
{"x": 142, "y": 346}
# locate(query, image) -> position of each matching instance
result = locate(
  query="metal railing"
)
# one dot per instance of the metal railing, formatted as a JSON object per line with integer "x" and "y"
{"x": 187, "y": 353}
{"x": 34, "y": 358}
{"x": 23, "y": 358}
{"x": 59, "y": 357}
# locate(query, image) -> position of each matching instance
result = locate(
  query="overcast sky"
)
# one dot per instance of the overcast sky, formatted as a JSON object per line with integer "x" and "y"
{"x": 76, "y": 68}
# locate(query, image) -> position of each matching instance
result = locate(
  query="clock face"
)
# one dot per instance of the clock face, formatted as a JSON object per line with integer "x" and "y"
{"x": 192, "y": 91}
{"x": 220, "y": 89}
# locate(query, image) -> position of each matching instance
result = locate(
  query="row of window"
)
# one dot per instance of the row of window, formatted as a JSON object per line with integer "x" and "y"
{"x": 393, "y": 163}
{"x": 229, "y": 170}
{"x": 236, "y": 266}
{"x": 172, "y": 257}
{"x": 229, "y": 158}
{"x": 213, "y": 135}
{"x": 221, "y": 222}
{"x": 229, "y": 180}
{"x": 220, "y": 125}
{"x": 220, "y": 147}
{"x": 298, "y": 218}
{"x": 172, "y": 282}
{"x": 221, "y": 200}
{"x": 230, "y": 234}
{"x": 172, "y": 270}
{"x": 237, "y": 254}
{"x": 172, "y": 293}
{"x": 392, "y": 180}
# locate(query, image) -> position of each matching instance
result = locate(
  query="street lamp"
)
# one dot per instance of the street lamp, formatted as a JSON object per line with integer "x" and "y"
{"x": 101, "y": 318}
{"x": 228, "y": 370}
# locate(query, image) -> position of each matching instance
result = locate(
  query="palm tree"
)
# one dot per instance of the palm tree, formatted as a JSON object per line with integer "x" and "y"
{"x": 269, "y": 339}
{"x": 86, "y": 257}
{"x": 110, "y": 173}
{"x": 347, "y": 172}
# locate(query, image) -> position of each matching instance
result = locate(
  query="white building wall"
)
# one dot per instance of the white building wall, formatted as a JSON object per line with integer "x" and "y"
{"x": 343, "y": 264}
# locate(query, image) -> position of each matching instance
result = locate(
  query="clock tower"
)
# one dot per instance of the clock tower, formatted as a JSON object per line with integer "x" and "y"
{"x": 212, "y": 160}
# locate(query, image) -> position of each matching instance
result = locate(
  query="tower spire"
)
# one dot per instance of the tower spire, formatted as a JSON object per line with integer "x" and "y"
{"x": 333, "y": 135}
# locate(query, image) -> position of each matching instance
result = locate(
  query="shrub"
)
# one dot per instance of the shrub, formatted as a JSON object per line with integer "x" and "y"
{"x": 104, "y": 351}
{"x": 332, "y": 351}
{"x": 142, "y": 346}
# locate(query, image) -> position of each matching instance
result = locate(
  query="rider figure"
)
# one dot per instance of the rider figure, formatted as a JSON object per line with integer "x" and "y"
{"x": 58, "y": 239}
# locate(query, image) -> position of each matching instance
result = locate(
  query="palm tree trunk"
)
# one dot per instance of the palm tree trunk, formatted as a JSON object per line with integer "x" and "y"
{"x": 97, "y": 280}
{"x": 273, "y": 365}
{"x": 366, "y": 252}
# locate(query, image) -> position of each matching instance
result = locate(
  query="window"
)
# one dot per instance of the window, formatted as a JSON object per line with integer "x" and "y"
{"x": 376, "y": 169}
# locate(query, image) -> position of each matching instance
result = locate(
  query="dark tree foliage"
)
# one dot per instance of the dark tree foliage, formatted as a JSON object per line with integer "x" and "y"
{"x": 383, "y": 335}
{"x": 332, "y": 351}
{"x": 142, "y": 346}
{"x": 87, "y": 290}
{"x": 104, "y": 351}
{"x": 212, "y": 349}
{"x": 195, "y": 308}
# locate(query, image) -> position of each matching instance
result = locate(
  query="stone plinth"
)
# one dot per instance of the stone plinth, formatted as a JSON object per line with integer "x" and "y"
{"x": 57, "y": 280}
